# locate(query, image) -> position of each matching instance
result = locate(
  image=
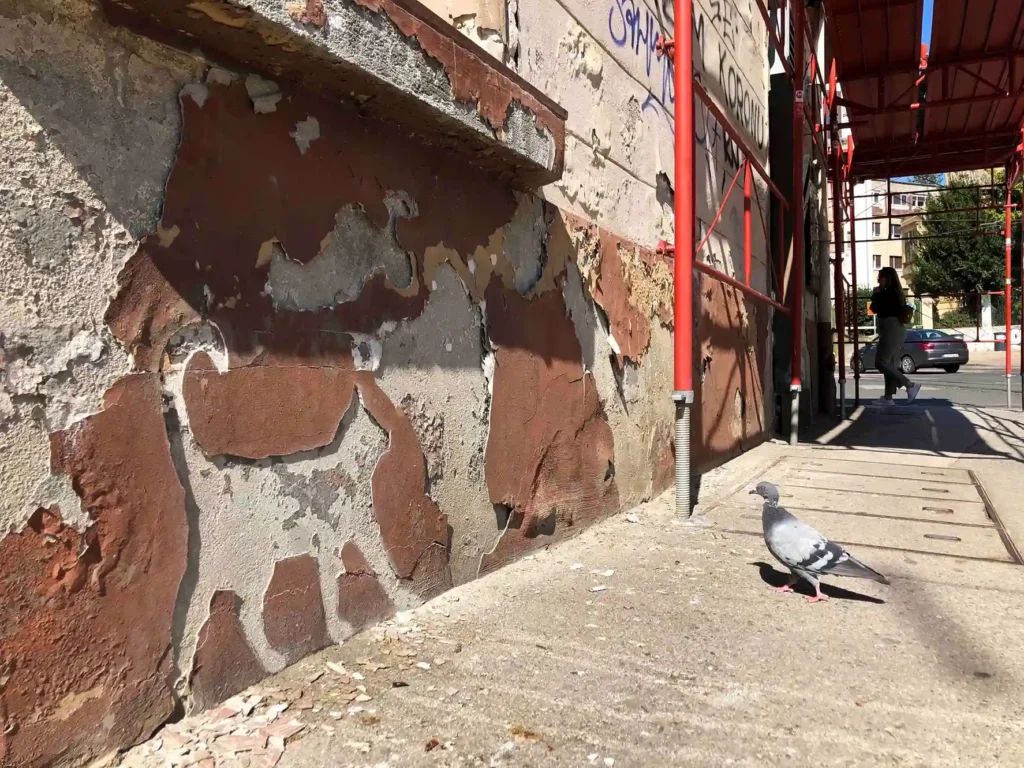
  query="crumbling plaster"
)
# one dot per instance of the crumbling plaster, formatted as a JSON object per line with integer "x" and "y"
{"x": 89, "y": 129}
{"x": 422, "y": 296}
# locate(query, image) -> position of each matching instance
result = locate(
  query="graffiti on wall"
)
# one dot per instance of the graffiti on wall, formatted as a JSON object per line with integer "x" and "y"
{"x": 635, "y": 27}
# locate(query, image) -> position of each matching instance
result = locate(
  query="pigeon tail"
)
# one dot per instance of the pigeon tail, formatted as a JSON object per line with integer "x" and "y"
{"x": 855, "y": 569}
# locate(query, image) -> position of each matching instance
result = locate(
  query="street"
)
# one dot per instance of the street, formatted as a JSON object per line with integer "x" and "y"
{"x": 981, "y": 383}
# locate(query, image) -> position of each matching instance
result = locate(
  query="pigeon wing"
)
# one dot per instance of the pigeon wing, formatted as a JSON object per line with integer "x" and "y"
{"x": 804, "y": 549}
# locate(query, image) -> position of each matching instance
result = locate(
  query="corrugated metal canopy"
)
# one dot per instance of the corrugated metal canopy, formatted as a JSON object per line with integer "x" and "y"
{"x": 960, "y": 109}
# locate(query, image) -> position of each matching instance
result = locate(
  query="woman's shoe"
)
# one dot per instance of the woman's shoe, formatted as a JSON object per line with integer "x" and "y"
{"x": 884, "y": 402}
{"x": 912, "y": 392}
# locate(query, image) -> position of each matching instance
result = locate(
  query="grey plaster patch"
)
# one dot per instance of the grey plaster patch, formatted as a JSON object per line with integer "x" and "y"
{"x": 306, "y": 132}
{"x": 264, "y": 94}
{"x": 527, "y": 136}
{"x": 197, "y": 92}
{"x": 524, "y": 239}
{"x": 350, "y": 255}
{"x": 431, "y": 367}
{"x": 254, "y": 513}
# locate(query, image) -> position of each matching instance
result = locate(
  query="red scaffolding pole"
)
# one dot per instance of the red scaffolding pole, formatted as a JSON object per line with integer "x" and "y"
{"x": 685, "y": 220}
{"x": 685, "y": 217}
{"x": 797, "y": 212}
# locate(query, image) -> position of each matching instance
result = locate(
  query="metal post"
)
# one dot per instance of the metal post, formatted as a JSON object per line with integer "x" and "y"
{"x": 684, "y": 242}
{"x": 747, "y": 244}
{"x": 1008, "y": 309}
{"x": 837, "y": 268}
{"x": 797, "y": 212}
{"x": 856, "y": 299}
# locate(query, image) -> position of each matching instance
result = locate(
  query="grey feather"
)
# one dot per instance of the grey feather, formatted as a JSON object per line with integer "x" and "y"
{"x": 804, "y": 550}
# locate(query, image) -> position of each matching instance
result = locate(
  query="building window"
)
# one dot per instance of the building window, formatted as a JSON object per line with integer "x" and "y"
{"x": 876, "y": 229}
{"x": 878, "y": 261}
{"x": 896, "y": 262}
{"x": 894, "y": 231}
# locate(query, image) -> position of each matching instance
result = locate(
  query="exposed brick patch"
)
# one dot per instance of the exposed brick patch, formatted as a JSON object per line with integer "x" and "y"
{"x": 550, "y": 453}
{"x": 293, "y": 609}
{"x": 414, "y": 530}
{"x": 265, "y": 410}
{"x": 308, "y": 12}
{"x": 224, "y": 662}
{"x": 362, "y": 601}
{"x": 85, "y": 630}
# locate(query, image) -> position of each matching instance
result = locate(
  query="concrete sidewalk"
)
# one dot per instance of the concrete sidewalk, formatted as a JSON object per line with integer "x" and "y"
{"x": 649, "y": 641}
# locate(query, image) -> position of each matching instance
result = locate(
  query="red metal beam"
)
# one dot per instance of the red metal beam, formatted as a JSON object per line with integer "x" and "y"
{"x": 707, "y": 269}
{"x": 735, "y": 136}
{"x": 895, "y": 109}
{"x": 747, "y": 223}
{"x": 934, "y": 65}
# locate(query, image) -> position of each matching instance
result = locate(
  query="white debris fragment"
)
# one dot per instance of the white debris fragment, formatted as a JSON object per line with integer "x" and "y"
{"x": 423, "y": 665}
{"x": 605, "y": 574}
{"x": 632, "y": 517}
{"x": 306, "y": 132}
{"x": 598, "y": 588}
{"x": 575, "y": 566}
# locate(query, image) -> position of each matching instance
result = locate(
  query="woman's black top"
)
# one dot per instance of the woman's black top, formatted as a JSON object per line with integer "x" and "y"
{"x": 886, "y": 303}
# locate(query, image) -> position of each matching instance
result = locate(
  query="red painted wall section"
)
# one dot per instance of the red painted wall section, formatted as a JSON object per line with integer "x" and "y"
{"x": 85, "y": 630}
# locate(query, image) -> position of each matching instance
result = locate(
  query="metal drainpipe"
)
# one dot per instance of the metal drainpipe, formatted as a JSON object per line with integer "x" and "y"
{"x": 684, "y": 242}
{"x": 797, "y": 211}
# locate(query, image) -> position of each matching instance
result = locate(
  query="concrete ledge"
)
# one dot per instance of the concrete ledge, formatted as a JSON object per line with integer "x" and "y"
{"x": 396, "y": 58}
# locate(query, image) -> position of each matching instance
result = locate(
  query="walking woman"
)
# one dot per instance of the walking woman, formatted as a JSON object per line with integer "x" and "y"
{"x": 889, "y": 303}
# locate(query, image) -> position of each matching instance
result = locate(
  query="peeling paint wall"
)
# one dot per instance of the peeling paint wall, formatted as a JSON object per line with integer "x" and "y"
{"x": 600, "y": 60}
{"x": 271, "y": 370}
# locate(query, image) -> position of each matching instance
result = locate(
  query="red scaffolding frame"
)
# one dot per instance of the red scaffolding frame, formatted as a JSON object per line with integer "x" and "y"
{"x": 680, "y": 47}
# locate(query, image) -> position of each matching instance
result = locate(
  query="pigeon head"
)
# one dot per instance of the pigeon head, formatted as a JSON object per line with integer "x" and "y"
{"x": 767, "y": 491}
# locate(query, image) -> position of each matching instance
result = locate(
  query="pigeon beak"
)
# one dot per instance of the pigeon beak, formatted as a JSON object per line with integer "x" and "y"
{"x": 752, "y": 492}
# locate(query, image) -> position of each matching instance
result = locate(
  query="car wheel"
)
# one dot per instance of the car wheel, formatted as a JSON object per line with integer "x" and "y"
{"x": 951, "y": 368}
{"x": 907, "y": 364}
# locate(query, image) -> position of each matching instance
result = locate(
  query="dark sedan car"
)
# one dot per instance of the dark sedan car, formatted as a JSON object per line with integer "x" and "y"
{"x": 922, "y": 349}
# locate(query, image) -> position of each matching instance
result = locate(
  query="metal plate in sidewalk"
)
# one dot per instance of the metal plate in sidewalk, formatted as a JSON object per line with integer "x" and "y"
{"x": 980, "y": 543}
{"x": 798, "y": 498}
{"x": 879, "y": 485}
{"x": 875, "y": 469}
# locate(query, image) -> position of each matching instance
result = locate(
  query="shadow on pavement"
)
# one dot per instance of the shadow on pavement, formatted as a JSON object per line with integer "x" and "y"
{"x": 776, "y": 578}
{"x": 936, "y": 427}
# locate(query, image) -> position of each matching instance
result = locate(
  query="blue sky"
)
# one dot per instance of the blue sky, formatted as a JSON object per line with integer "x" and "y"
{"x": 926, "y": 23}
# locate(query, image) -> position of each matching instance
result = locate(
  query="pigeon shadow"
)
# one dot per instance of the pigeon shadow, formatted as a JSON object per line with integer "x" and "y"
{"x": 774, "y": 578}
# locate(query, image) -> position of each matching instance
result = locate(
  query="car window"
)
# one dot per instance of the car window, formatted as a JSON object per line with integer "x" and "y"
{"x": 914, "y": 336}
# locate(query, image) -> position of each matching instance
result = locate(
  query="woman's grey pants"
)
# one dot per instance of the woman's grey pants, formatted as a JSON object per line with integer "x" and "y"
{"x": 891, "y": 335}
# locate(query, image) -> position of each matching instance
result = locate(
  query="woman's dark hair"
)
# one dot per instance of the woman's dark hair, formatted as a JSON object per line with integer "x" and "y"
{"x": 890, "y": 281}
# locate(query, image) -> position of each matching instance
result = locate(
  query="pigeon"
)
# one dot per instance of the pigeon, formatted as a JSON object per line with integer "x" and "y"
{"x": 803, "y": 550}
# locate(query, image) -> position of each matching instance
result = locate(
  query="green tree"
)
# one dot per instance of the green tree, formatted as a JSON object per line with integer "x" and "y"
{"x": 955, "y": 260}
{"x": 927, "y": 178}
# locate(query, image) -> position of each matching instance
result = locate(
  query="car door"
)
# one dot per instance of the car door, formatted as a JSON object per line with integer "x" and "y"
{"x": 912, "y": 347}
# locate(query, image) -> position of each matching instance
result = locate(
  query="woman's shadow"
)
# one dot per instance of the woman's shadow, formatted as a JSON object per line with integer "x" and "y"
{"x": 775, "y": 578}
